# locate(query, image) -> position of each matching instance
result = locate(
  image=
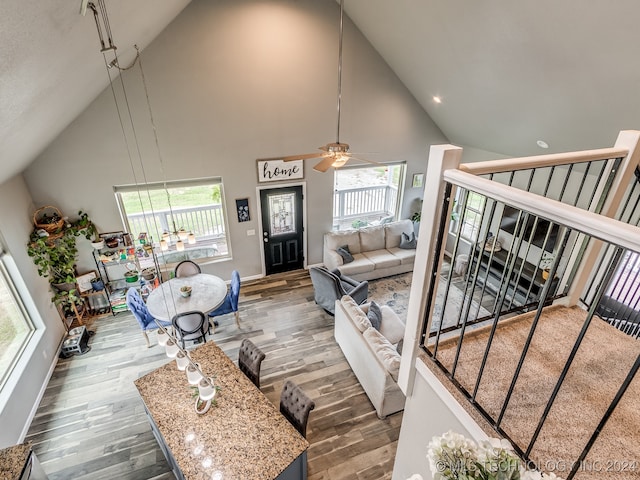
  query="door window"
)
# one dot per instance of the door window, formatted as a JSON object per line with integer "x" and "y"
{"x": 282, "y": 211}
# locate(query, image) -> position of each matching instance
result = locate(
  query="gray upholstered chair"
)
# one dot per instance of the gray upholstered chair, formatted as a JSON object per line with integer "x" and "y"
{"x": 186, "y": 268}
{"x": 329, "y": 286}
{"x": 250, "y": 359}
{"x": 295, "y": 405}
{"x": 190, "y": 326}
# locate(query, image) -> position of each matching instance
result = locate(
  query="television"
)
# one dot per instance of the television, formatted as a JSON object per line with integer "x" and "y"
{"x": 525, "y": 229}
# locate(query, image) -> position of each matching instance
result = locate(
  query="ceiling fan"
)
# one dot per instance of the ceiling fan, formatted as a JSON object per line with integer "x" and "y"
{"x": 334, "y": 154}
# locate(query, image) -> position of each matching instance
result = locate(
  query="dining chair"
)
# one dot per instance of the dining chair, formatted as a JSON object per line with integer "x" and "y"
{"x": 139, "y": 309}
{"x": 186, "y": 268}
{"x": 295, "y": 405}
{"x": 230, "y": 303}
{"x": 190, "y": 326}
{"x": 250, "y": 359}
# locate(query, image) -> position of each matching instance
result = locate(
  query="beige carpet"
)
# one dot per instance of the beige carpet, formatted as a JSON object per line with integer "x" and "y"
{"x": 599, "y": 368}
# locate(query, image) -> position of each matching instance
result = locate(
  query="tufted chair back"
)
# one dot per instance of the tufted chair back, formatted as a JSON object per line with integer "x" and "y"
{"x": 250, "y": 359}
{"x": 139, "y": 309}
{"x": 295, "y": 405}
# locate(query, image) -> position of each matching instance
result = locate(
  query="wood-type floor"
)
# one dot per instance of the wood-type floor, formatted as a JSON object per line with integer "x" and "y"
{"x": 91, "y": 423}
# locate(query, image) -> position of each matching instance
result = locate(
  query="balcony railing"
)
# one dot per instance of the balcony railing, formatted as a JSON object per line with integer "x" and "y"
{"x": 365, "y": 204}
{"x": 588, "y": 243}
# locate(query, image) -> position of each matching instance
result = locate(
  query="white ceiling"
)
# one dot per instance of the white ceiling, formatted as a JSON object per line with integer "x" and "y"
{"x": 509, "y": 73}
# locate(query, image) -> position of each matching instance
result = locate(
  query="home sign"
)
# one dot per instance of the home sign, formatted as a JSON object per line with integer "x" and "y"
{"x": 277, "y": 170}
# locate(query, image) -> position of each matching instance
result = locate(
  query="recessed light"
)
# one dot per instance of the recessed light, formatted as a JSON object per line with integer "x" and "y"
{"x": 437, "y": 99}
{"x": 542, "y": 144}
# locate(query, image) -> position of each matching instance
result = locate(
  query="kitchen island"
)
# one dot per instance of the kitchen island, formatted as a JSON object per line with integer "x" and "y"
{"x": 242, "y": 437}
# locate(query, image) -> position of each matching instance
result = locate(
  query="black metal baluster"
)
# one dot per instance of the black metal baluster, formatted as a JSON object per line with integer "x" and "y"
{"x": 573, "y": 353}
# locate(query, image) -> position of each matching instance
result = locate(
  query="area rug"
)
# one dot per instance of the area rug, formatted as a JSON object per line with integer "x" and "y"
{"x": 394, "y": 292}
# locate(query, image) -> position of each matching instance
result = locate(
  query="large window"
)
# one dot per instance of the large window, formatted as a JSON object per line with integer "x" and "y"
{"x": 16, "y": 327}
{"x": 184, "y": 219}
{"x": 366, "y": 195}
{"x": 469, "y": 213}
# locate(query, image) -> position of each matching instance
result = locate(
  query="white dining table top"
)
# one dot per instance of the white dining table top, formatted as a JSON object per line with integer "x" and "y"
{"x": 208, "y": 292}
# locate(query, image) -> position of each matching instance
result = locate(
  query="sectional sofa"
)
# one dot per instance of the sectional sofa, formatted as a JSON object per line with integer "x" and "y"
{"x": 376, "y": 250}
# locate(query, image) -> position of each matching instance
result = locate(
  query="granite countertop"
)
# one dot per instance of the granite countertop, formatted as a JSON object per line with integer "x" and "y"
{"x": 243, "y": 437}
{"x": 12, "y": 460}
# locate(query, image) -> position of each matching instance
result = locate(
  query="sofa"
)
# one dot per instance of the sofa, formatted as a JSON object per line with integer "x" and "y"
{"x": 372, "y": 354}
{"x": 375, "y": 250}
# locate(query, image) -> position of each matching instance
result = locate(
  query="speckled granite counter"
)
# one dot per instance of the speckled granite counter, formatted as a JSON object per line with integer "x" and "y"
{"x": 243, "y": 437}
{"x": 12, "y": 461}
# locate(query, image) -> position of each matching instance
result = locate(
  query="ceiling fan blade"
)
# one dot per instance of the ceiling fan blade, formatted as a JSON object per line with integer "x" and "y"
{"x": 365, "y": 160}
{"x": 324, "y": 164}
{"x": 290, "y": 158}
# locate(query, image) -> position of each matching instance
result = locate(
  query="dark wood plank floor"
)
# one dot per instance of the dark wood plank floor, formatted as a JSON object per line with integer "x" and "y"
{"x": 91, "y": 423}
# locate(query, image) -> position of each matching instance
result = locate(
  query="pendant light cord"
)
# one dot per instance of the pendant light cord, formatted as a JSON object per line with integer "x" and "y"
{"x": 340, "y": 68}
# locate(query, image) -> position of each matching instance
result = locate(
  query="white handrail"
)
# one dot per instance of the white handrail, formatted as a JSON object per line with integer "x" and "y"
{"x": 598, "y": 226}
{"x": 540, "y": 161}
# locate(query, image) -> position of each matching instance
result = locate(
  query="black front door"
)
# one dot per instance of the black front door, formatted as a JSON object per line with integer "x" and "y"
{"x": 282, "y": 232}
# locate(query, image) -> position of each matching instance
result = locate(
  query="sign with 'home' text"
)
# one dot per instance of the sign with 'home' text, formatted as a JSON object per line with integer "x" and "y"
{"x": 276, "y": 170}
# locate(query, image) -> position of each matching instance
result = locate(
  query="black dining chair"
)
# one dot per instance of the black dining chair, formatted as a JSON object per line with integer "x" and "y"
{"x": 186, "y": 268}
{"x": 190, "y": 326}
{"x": 295, "y": 405}
{"x": 250, "y": 359}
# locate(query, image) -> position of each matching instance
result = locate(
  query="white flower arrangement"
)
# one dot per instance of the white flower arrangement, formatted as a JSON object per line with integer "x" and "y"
{"x": 454, "y": 457}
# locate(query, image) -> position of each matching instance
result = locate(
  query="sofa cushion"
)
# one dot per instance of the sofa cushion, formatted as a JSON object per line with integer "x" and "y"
{"x": 374, "y": 315}
{"x": 393, "y": 232}
{"x": 391, "y": 326}
{"x": 334, "y": 240}
{"x": 371, "y": 238}
{"x": 408, "y": 241}
{"x": 344, "y": 252}
{"x": 405, "y": 256}
{"x": 384, "y": 350}
{"x": 360, "y": 264}
{"x": 382, "y": 258}
{"x": 355, "y": 313}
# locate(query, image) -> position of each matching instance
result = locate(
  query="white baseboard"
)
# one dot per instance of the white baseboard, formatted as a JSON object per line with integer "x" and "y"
{"x": 43, "y": 389}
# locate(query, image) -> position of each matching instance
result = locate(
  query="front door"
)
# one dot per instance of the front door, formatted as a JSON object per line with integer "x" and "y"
{"x": 282, "y": 232}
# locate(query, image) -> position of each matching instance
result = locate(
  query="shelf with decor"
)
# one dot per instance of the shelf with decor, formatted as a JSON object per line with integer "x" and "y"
{"x": 122, "y": 264}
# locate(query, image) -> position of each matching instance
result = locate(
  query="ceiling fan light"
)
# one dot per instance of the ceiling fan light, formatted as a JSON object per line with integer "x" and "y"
{"x": 339, "y": 161}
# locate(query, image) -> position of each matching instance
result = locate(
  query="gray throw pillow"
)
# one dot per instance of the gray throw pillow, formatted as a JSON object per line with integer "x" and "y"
{"x": 344, "y": 252}
{"x": 374, "y": 315}
{"x": 408, "y": 241}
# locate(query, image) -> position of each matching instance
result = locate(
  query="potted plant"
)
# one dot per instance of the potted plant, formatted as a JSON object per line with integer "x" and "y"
{"x": 54, "y": 254}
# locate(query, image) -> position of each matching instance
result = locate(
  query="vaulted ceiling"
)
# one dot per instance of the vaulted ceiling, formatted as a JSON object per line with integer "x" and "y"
{"x": 508, "y": 73}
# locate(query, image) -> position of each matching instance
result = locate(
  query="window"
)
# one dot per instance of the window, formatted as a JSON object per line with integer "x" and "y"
{"x": 366, "y": 195}
{"x": 470, "y": 214}
{"x": 16, "y": 327}
{"x": 189, "y": 211}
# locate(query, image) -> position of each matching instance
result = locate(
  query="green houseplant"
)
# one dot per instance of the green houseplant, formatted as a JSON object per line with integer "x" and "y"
{"x": 55, "y": 253}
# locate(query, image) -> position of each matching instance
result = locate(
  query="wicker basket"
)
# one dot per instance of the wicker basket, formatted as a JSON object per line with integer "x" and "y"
{"x": 40, "y": 214}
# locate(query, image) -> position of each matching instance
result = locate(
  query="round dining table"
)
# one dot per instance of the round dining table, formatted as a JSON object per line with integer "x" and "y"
{"x": 207, "y": 293}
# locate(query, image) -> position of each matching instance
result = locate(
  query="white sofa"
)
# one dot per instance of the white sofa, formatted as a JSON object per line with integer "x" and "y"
{"x": 376, "y": 251}
{"x": 372, "y": 354}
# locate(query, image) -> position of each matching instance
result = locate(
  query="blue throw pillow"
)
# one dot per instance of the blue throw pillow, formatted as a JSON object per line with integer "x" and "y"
{"x": 408, "y": 241}
{"x": 375, "y": 315}
{"x": 344, "y": 252}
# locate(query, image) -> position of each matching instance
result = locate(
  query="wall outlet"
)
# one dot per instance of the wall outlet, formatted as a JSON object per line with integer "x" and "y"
{"x": 251, "y": 233}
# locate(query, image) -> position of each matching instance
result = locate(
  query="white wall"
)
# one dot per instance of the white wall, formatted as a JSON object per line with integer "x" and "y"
{"x": 430, "y": 411}
{"x": 19, "y": 397}
{"x": 231, "y": 81}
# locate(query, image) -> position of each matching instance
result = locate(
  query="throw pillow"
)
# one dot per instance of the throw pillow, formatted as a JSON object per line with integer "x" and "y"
{"x": 345, "y": 254}
{"x": 408, "y": 241}
{"x": 374, "y": 315}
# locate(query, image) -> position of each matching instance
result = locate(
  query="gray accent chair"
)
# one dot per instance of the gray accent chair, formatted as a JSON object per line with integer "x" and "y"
{"x": 329, "y": 286}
